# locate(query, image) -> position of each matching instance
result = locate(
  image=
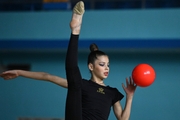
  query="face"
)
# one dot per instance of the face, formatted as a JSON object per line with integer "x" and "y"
{"x": 100, "y": 68}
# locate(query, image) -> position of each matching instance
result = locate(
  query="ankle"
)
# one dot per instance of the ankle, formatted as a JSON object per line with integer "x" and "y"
{"x": 77, "y": 16}
{"x": 75, "y": 23}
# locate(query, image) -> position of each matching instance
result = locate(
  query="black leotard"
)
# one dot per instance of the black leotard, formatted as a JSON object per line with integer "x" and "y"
{"x": 86, "y": 100}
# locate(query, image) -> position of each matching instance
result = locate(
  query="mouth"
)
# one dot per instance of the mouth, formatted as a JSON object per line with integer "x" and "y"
{"x": 106, "y": 73}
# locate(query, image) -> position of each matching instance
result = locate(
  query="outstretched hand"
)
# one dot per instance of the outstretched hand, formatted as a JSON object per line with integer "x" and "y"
{"x": 130, "y": 86}
{"x": 11, "y": 74}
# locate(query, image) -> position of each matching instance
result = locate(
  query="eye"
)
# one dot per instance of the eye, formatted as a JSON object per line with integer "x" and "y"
{"x": 101, "y": 64}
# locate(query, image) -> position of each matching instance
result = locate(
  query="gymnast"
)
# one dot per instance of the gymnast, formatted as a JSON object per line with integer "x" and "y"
{"x": 87, "y": 99}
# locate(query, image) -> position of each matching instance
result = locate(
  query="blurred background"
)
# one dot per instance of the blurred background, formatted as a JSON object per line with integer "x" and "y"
{"x": 36, "y": 5}
{"x": 34, "y": 36}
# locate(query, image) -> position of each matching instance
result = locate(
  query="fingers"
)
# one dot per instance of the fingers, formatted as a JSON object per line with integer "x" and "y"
{"x": 123, "y": 86}
{"x": 129, "y": 81}
{"x": 132, "y": 82}
{"x": 6, "y": 75}
{"x": 2, "y": 75}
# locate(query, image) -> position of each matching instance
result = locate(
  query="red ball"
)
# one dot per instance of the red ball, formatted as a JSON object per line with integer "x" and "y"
{"x": 143, "y": 75}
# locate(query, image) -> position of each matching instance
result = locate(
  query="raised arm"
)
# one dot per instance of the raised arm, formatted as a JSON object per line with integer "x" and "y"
{"x": 11, "y": 74}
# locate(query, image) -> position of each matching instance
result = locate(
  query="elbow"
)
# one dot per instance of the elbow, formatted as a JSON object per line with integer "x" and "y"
{"x": 66, "y": 85}
{"x": 124, "y": 118}
{"x": 46, "y": 77}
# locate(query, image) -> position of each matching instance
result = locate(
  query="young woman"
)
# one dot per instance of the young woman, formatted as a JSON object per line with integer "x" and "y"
{"x": 86, "y": 99}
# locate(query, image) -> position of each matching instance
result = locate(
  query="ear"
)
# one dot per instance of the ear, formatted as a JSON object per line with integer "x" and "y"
{"x": 90, "y": 66}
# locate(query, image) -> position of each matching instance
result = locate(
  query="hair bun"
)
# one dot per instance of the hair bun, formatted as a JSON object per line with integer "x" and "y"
{"x": 93, "y": 47}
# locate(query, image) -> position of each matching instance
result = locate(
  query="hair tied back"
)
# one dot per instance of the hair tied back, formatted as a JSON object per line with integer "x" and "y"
{"x": 93, "y": 47}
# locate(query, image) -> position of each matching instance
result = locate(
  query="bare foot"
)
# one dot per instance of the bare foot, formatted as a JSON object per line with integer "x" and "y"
{"x": 76, "y": 20}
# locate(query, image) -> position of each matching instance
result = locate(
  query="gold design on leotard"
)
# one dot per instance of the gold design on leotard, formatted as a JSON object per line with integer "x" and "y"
{"x": 101, "y": 90}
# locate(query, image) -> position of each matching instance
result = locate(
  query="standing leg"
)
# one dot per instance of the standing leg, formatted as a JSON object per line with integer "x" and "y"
{"x": 74, "y": 96}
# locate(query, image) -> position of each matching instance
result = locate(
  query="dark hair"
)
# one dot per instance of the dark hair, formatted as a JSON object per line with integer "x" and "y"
{"x": 95, "y": 52}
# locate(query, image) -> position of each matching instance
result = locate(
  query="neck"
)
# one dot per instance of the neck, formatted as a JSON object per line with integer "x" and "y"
{"x": 98, "y": 81}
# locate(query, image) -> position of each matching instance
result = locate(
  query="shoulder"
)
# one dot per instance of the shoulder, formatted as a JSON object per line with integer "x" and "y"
{"x": 116, "y": 92}
{"x": 85, "y": 81}
{"x": 112, "y": 88}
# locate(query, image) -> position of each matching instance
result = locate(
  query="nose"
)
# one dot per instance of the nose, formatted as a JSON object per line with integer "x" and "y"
{"x": 107, "y": 67}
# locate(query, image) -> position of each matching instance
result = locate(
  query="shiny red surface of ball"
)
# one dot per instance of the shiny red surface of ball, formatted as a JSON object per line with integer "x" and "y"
{"x": 143, "y": 75}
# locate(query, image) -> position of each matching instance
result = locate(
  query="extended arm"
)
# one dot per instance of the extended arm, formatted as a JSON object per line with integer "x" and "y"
{"x": 11, "y": 74}
{"x": 124, "y": 114}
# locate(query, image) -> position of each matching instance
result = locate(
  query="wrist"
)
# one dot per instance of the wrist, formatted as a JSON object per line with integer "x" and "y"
{"x": 129, "y": 97}
{"x": 18, "y": 72}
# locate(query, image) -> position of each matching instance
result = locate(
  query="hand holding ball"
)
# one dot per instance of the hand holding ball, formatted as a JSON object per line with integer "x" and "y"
{"x": 143, "y": 75}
